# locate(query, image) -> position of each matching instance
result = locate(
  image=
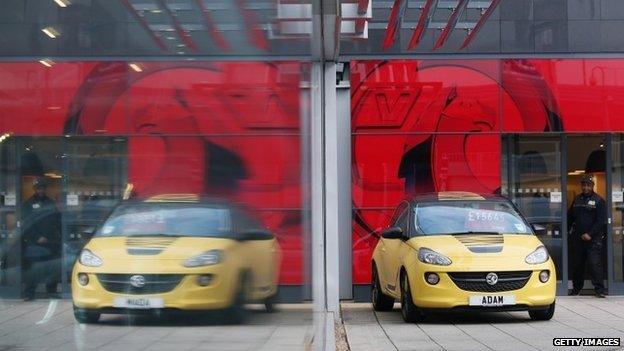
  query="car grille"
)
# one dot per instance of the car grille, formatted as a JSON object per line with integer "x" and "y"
{"x": 154, "y": 283}
{"x": 475, "y": 281}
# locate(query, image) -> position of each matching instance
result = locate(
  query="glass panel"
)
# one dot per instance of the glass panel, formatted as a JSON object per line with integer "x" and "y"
{"x": 618, "y": 208}
{"x": 40, "y": 183}
{"x": 562, "y": 95}
{"x": 425, "y": 96}
{"x": 533, "y": 166}
{"x": 96, "y": 179}
{"x": 10, "y": 245}
{"x": 102, "y": 133}
{"x": 389, "y": 166}
{"x": 167, "y": 27}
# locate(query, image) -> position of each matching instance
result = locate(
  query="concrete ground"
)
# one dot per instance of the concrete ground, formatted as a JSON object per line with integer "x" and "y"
{"x": 50, "y": 325}
{"x": 581, "y": 316}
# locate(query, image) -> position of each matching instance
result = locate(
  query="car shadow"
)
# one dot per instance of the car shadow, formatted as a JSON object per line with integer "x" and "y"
{"x": 167, "y": 319}
{"x": 454, "y": 317}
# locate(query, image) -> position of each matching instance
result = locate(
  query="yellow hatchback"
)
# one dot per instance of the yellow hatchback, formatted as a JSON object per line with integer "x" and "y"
{"x": 462, "y": 251}
{"x": 175, "y": 253}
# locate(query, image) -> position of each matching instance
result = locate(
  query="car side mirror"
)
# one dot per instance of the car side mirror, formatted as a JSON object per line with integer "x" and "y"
{"x": 392, "y": 233}
{"x": 88, "y": 231}
{"x": 256, "y": 234}
{"x": 539, "y": 229}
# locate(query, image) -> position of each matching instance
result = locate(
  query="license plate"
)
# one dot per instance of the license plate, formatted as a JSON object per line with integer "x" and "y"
{"x": 492, "y": 300}
{"x": 138, "y": 302}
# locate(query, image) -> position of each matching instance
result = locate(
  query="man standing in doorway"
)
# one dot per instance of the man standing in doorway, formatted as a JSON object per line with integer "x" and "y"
{"x": 41, "y": 241}
{"x": 587, "y": 220}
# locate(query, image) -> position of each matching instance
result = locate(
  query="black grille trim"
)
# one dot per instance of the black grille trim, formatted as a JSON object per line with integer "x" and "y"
{"x": 485, "y": 249}
{"x": 475, "y": 281}
{"x": 154, "y": 283}
{"x": 144, "y": 251}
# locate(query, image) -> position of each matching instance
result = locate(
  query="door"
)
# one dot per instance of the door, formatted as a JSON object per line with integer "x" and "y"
{"x": 615, "y": 232}
{"x": 532, "y": 177}
{"x": 39, "y": 203}
{"x": 260, "y": 252}
{"x": 10, "y": 245}
{"x": 84, "y": 178}
{"x": 586, "y": 155}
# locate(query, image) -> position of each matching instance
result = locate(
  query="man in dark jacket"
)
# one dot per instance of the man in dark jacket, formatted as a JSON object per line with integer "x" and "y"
{"x": 41, "y": 241}
{"x": 587, "y": 220}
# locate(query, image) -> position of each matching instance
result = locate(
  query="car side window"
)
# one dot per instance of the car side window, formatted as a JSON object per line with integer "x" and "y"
{"x": 397, "y": 213}
{"x": 246, "y": 223}
{"x": 402, "y": 222}
{"x": 402, "y": 218}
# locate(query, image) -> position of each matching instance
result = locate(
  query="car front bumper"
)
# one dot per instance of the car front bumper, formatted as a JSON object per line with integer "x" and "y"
{"x": 446, "y": 294}
{"x": 186, "y": 295}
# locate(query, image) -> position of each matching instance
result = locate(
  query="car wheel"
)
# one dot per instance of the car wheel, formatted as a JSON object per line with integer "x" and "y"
{"x": 381, "y": 301}
{"x": 85, "y": 317}
{"x": 269, "y": 303}
{"x": 237, "y": 314}
{"x": 543, "y": 315}
{"x": 409, "y": 311}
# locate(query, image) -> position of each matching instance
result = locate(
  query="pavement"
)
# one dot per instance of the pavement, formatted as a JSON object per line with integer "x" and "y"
{"x": 50, "y": 325}
{"x": 578, "y": 316}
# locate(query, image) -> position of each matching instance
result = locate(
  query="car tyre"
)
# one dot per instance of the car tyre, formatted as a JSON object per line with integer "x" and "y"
{"x": 409, "y": 311}
{"x": 543, "y": 315}
{"x": 269, "y": 303}
{"x": 237, "y": 314}
{"x": 85, "y": 317}
{"x": 381, "y": 301}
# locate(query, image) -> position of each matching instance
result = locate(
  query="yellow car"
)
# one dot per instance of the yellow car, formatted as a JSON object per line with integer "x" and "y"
{"x": 461, "y": 251}
{"x": 175, "y": 253}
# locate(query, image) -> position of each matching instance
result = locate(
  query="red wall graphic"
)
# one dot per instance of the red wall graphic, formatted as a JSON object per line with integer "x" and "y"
{"x": 233, "y": 129}
{"x": 224, "y": 129}
{"x": 435, "y": 125}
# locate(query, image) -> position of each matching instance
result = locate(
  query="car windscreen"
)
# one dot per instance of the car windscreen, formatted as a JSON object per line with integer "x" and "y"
{"x": 167, "y": 219}
{"x": 468, "y": 217}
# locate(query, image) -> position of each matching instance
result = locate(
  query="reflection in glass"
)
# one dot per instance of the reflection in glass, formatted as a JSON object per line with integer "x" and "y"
{"x": 618, "y": 208}
{"x": 532, "y": 167}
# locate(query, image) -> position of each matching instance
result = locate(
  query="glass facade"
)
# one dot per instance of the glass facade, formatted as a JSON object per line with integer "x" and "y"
{"x": 96, "y": 28}
{"x": 231, "y": 106}
{"x": 490, "y": 27}
{"x": 420, "y": 126}
{"x": 83, "y": 140}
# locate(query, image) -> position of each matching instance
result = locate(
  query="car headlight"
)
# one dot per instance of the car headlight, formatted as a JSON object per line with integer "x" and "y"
{"x": 540, "y": 255}
{"x": 207, "y": 258}
{"x": 426, "y": 255}
{"x": 89, "y": 259}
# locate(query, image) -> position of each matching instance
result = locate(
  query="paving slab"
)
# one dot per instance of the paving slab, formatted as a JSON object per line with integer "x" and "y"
{"x": 50, "y": 325}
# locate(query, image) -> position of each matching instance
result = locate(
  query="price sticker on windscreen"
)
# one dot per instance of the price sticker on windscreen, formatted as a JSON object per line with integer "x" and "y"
{"x": 617, "y": 196}
{"x": 484, "y": 215}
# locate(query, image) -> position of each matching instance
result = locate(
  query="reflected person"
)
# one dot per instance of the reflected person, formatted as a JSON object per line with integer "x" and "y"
{"x": 41, "y": 242}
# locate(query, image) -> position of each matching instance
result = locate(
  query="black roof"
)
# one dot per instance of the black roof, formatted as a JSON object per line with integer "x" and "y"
{"x": 453, "y": 196}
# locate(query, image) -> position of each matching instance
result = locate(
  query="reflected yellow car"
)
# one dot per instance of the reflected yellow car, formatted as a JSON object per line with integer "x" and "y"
{"x": 461, "y": 251}
{"x": 175, "y": 253}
